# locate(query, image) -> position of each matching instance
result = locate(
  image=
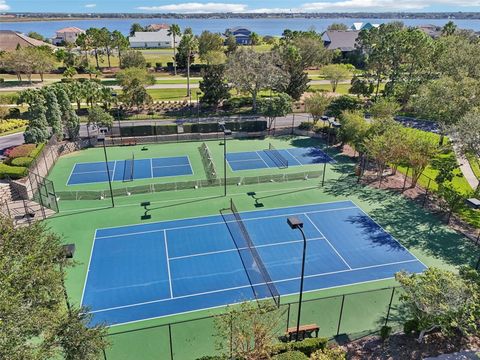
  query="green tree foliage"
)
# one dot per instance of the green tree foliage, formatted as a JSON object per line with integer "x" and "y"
{"x": 337, "y": 27}
{"x": 37, "y": 130}
{"x": 53, "y": 114}
{"x": 99, "y": 117}
{"x": 174, "y": 31}
{"x": 121, "y": 43}
{"x": 457, "y": 57}
{"x": 133, "y": 82}
{"x": 273, "y": 107}
{"x": 70, "y": 72}
{"x": 27, "y": 61}
{"x": 250, "y": 71}
{"x": 249, "y": 329}
{"x": 317, "y": 105}
{"x": 361, "y": 87}
{"x": 94, "y": 38}
{"x": 354, "y": 129}
{"x": 384, "y": 108}
{"x": 133, "y": 58}
{"x": 343, "y": 103}
{"x": 36, "y": 36}
{"x": 231, "y": 44}
{"x": 214, "y": 87}
{"x": 255, "y": 39}
{"x": 186, "y": 52}
{"x": 209, "y": 43}
{"x": 136, "y": 27}
{"x": 449, "y": 29}
{"x": 70, "y": 120}
{"x": 466, "y": 131}
{"x": 336, "y": 73}
{"x": 292, "y": 63}
{"x": 420, "y": 153}
{"x": 35, "y": 322}
{"x": 440, "y": 299}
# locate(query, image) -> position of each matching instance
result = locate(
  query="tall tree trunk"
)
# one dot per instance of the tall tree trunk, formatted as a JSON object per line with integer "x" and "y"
{"x": 174, "y": 56}
{"x": 108, "y": 57}
{"x": 119, "y": 57}
{"x": 188, "y": 74}
{"x": 96, "y": 58}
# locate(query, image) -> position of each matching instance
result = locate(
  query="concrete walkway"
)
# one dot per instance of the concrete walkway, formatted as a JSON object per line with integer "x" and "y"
{"x": 466, "y": 168}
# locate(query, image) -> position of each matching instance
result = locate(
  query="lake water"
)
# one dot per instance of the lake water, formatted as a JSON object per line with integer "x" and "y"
{"x": 263, "y": 27}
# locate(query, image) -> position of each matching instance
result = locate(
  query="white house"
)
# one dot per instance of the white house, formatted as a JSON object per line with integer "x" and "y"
{"x": 67, "y": 35}
{"x": 155, "y": 39}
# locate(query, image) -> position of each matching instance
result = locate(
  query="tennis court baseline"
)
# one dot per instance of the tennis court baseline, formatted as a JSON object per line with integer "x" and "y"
{"x": 263, "y": 159}
{"x": 152, "y": 270}
{"x": 128, "y": 170}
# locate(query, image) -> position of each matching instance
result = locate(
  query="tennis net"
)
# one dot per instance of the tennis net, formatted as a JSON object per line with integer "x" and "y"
{"x": 260, "y": 280}
{"x": 128, "y": 168}
{"x": 208, "y": 163}
{"x": 277, "y": 157}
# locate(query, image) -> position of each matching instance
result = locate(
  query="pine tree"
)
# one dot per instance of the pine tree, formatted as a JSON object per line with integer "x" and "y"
{"x": 37, "y": 130}
{"x": 54, "y": 114}
{"x": 70, "y": 120}
{"x": 214, "y": 86}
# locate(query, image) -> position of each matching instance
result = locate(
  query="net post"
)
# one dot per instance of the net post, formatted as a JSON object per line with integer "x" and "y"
{"x": 340, "y": 317}
{"x": 389, "y": 307}
{"x": 170, "y": 340}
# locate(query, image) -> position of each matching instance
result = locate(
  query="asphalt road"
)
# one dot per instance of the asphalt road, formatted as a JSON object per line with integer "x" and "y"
{"x": 10, "y": 140}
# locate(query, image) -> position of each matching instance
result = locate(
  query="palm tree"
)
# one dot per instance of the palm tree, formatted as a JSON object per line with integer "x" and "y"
{"x": 174, "y": 31}
{"x": 121, "y": 43}
{"x": 190, "y": 44}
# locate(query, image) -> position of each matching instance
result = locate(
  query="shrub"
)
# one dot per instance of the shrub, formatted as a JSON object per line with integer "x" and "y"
{"x": 143, "y": 130}
{"x": 309, "y": 346}
{"x": 165, "y": 129}
{"x": 410, "y": 326}
{"x": 35, "y": 152}
{"x": 8, "y": 125}
{"x": 2, "y": 80}
{"x": 291, "y": 355}
{"x": 215, "y": 357}
{"x": 14, "y": 172}
{"x": 20, "y": 151}
{"x": 304, "y": 125}
{"x": 237, "y": 102}
{"x": 7, "y": 99}
{"x": 385, "y": 332}
{"x": 334, "y": 353}
{"x": 21, "y": 161}
{"x": 14, "y": 113}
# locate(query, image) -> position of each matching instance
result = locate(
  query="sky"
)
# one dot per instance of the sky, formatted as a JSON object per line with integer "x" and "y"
{"x": 197, "y": 6}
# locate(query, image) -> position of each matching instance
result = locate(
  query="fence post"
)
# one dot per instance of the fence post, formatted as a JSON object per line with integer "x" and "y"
{"x": 340, "y": 317}
{"x": 288, "y": 315}
{"x": 170, "y": 340}
{"x": 293, "y": 123}
{"x": 389, "y": 307}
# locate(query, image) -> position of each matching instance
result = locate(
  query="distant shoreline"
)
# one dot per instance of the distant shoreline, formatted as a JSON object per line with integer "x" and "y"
{"x": 43, "y": 17}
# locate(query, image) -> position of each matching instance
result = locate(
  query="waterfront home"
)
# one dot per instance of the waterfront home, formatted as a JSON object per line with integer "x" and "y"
{"x": 433, "y": 31}
{"x": 67, "y": 35}
{"x": 11, "y": 40}
{"x": 341, "y": 40}
{"x": 242, "y": 35}
{"x": 363, "y": 26}
{"x": 157, "y": 27}
{"x": 155, "y": 39}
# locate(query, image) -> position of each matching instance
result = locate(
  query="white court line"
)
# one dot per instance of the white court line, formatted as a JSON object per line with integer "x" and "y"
{"x": 293, "y": 156}
{"x": 398, "y": 242}
{"x": 71, "y": 172}
{"x": 243, "y": 248}
{"x": 168, "y": 263}
{"x": 219, "y": 222}
{"x": 329, "y": 243}
{"x": 256, "y": 152}
{"x": 88, "y": 268}
{"x": 168, "y": 166}
{"x": 249, "y": 286}
{"x": 113, "y": 171}
{"x": 239, "y": 161}
{"x": 151, "y": 168}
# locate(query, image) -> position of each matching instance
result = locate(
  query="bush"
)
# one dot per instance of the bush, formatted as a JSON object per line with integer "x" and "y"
{"x": 335, "y": 353}
{"x": 291, "y": 355}
{"x": 246, "y": 126}
{"x": 21, "y": 161}
{"x": 237, "y": 102}
{"x": 14, "y": 113}
{"x": 20, "y": 151}
{"x": 143, "y": 130}
{"x": 14, "y": 172}
{"x": 2, "y": 80}
{"x": 306, "y": 346}
{"x": 8, "y": 125}
{"x": 214, "y": 357}
{"x": 410, "y": 326}
{"x": 305, "y": 125}
{"x": 385, "y": 332}
{"x": 35, "y": 152}
{"x": 8, "y": 99}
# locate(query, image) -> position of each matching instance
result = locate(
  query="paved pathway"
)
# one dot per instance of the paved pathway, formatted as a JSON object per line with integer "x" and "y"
{"x": 466, "y": 168}
{"x": 10, "y": 140}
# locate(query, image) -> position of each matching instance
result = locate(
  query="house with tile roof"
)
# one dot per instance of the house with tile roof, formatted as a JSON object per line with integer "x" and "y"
{"x": 342, "y": 40}
{"x": 152, "y": 39}
{"x": 67, "y": 35}
{"x": 11, "y": 40}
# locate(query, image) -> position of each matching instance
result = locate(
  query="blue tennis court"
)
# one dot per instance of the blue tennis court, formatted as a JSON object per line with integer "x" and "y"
{"x": 128, "y": 170}
{"x": 152, "y": 270}
{"x": 263, "y": 159}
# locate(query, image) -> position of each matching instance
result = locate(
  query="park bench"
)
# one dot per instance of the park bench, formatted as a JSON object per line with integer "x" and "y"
{"x": 304, "y": 330}
{"x": 129, "y": 142}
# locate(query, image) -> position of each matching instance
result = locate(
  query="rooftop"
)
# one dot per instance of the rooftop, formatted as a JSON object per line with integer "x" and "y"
{"x": 10, "y": 40}
{"x": 344, "y": 40}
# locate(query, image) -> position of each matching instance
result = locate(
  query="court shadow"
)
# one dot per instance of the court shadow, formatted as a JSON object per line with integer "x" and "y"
{"x": 181, "y": 203}
{"x": 62, "y": 215}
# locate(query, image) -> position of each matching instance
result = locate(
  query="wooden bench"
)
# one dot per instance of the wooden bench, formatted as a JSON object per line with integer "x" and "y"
{"x": 304, "y": 330}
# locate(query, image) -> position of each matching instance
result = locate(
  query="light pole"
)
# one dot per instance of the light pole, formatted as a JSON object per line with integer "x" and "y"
{"x": 101, "y": 137}
{"x": 226, "y": 132}
{"x": 295, "y": 223}
{"x": 67, "y": 253}
{"x": 115, "y": 95}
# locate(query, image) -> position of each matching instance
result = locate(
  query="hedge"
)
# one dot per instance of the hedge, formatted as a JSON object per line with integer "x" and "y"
{"x": 21, "y": 161}
{"x": 20, "y": 151}
{"x": 15, "y": 172}
{"x": 166, "y": 129}
{"x": 307, "y": 346}
{"x": 291, "y": 355}
{"x": 35, "y": 152}
{"x": 246, "y": 126}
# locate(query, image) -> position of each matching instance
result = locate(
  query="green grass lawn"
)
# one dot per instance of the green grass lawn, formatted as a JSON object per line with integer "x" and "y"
{"x": 474, "y": 164}
{"x": 14, "y": 131}
{"x": 422, "y": 233}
